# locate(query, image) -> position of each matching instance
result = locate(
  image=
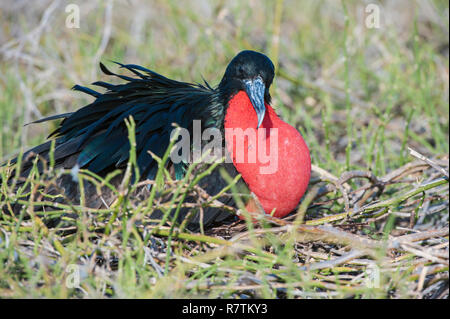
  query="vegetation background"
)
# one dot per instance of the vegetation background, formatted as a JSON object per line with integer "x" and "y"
{"x": 361, "y": 94}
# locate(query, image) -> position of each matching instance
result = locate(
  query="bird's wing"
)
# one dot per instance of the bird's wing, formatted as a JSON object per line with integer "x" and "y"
{"x": 96, "y": 136}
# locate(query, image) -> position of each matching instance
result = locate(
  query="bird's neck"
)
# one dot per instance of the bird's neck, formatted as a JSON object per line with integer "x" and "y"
{"x": 241, "y": 114}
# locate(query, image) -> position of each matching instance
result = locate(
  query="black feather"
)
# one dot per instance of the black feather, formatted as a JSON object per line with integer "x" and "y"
{"x": 97, "y": 131}
{"x": 50, "y": 118}
{"x": 86, "y": 90}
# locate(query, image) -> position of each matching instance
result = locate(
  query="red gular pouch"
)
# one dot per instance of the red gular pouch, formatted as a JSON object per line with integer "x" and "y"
{"x": 273, "y": 159}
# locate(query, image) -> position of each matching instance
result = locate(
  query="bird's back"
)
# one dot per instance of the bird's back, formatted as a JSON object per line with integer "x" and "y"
{"x": 95, "y": 137}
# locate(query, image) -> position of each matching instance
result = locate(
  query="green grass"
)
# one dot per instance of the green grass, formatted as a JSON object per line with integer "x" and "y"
{"x": 359, "y": 96}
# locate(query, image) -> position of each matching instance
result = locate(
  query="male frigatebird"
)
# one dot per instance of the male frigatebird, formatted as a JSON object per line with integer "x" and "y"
{"x": 95, "y": 136}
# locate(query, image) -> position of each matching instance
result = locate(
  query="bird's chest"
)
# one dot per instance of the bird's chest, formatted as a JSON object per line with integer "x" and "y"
{"x": 274, "y": 160}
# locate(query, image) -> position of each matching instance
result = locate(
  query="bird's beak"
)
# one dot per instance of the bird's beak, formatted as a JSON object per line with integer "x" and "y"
{"x": 255, "y": 89}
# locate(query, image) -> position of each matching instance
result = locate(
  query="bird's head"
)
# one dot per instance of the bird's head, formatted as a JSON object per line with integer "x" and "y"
{"x": 253, "y": 73}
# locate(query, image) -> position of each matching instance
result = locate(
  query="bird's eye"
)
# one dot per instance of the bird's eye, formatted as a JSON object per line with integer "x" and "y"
{"x": 240, "y": 71}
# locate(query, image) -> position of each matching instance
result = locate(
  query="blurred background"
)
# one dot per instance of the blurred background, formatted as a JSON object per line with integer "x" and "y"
{"x": 362, "y": 80}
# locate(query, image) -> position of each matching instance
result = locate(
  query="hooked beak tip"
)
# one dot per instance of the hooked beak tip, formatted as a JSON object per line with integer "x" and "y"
{"x": 260, "y": 120}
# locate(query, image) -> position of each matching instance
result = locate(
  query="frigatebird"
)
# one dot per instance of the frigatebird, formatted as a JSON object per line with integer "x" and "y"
{"x": 95, "y": 136}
